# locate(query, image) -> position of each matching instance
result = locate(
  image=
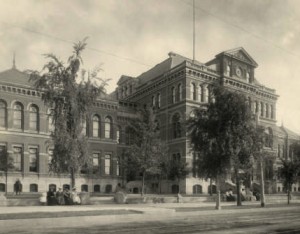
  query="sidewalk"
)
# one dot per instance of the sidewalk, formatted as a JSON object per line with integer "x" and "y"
{"x": 159, "y": 208}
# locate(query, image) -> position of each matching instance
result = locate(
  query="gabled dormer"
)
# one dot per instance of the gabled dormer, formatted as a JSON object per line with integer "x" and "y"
{"x": 236, "y": 64}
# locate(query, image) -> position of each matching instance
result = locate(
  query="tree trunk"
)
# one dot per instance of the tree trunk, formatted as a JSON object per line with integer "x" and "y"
{"x": 143, "y": 184}
{"x": 72, "y": 178}
{"x": 160, "y": 179}
{"x": 210, "y": 187}
{"x": 289, "y": 196}
{"x": 6, "y": 182}
{"x": 238, "y": 188}
{"x": 262, "y": 184}
{"x": 218, "y": 198}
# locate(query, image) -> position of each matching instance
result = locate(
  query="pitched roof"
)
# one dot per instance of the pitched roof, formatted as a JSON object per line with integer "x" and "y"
{"x": 159, "y": 69}
{"x": 15, "y": 77}
{"x": 290, "y": 133}
{"x": 240, "y": 53}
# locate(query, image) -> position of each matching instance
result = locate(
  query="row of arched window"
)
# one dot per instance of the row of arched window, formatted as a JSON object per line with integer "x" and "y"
{"x": 18, "y": 116}
{"x": 176, "y": 92}
{"x": 156, "y": 101}
{"x": 200, "y": 93}
{"x": 262, "y": 109}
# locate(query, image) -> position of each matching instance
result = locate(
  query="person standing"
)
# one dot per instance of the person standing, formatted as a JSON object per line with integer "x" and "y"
{"x": 18, "y": 187}
{"x": 60, "y": 197}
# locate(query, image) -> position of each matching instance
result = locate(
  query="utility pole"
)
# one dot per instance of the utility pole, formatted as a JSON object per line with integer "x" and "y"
{"x": 262, "y": 184}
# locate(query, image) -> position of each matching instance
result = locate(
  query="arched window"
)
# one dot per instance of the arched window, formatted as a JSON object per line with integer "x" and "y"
{"x": 53, "y": 186}
{"x": 268, "y": 137}
{"x": 84, "y": 188}
{"x": 108, "y": 188}
{"x": 2, "y": 187}
{"x": 96, "y": 126}
{"x": 193, "y": 91}
{"x": 267, "y": 110}
{"x": 206, "y": 94}
{"x": 256, "y": 107}
{"x": 33, "y": 118}
{"x": 176, "y": 126}
{"x": 153, "y": 101}
{"x": 179, "y": 92}
{"x": 108, "y": 128}
{"x": 158, "y": 101}
{"x": 118, "y": 134}
{"x": 200, "y": 94}
{"x": 117, "y": 167}
{"x": 83, "y": 127}
{"x": 272, "y": 111}
{"x": 18, "y": 116}
{"x": 228, "y": 70}
{"x": 3, "y": 114}
{"x": 197, "y": 189}
{"x": 262, "y": 109}
{"x": 173, "y": 95}
{"x": 248, "y": 76}
{"x": 96, "y": 188}
{"x": 51, "y": 126}
{"x": 33, "y": 188}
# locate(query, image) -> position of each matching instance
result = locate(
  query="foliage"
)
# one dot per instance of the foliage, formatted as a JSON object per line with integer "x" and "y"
{"x": 71, "y": 99}
{"x": 224, "y": 133}
{"x": 6, "y": 161}
{"x": 178, "y": 169}
{"x": 147, "y": 152}
{"x": 291, "y": 167}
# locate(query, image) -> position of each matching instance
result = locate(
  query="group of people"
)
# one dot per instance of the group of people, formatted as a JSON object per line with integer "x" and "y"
{"x": 229, "y": 195}
{"x": 60, "y": 197}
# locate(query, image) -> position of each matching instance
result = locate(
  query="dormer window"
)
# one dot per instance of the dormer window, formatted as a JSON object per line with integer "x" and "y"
{"x": 248, "y": 77}
{"x": 228, "y": 70}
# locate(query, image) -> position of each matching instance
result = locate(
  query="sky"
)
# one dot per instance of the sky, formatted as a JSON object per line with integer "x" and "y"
{"x": 128, "y": 37}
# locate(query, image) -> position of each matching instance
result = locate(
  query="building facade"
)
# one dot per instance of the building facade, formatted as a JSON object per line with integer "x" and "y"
{"x": 173, "y": 88}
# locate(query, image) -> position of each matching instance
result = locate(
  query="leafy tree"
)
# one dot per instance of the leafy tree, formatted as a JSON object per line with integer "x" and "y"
{"x": 71, "y": 98}
{"x": 223, "y": 133}
{"x": 290, "y": 169}
{"x": 6, "y": 164}
{"x": 147, "y": 151}
{"x": 177, "y": 169}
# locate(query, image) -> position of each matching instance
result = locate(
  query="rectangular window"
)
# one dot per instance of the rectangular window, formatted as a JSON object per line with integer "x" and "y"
{"x": 118, "y": 168}
{"x": 17, "y": 158}
{"x": 33, "y": 155}
{"x": 95, "y": 163}
{"x": 107, "y": 164}
{"x": 50, "y": 156}
{"x": 2, "y": 156}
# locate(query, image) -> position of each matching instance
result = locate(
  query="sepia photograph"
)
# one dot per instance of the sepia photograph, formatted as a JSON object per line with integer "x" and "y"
{"x": 149, "y": 116}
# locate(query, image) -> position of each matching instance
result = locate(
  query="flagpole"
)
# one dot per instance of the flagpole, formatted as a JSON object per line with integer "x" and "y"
{"x": 194, "y": 34}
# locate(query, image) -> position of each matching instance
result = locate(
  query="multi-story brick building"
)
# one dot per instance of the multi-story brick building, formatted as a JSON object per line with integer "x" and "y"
{"x": 173, "y": 88}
